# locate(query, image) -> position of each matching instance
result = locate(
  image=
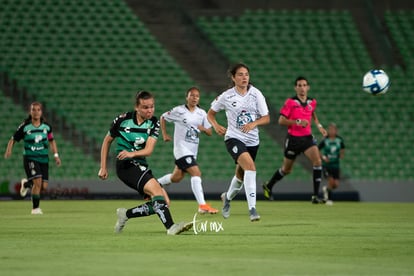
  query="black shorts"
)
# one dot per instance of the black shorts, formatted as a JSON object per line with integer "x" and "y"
{"x": 236, "y": 148}
{"x": 295, "y": 145}
{"x": 331, "y": 172}
{"x": 186, "y": 162}
{"x": 133, "y": 175}
{"x": 36, "y": 169}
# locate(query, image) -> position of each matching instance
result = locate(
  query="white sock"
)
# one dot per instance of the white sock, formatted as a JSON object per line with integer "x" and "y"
{"x": 197, "y": 189}
{"x": 165, "y": 180}
{"x": 235, "y": 186}
{"x": 250, "y": 188}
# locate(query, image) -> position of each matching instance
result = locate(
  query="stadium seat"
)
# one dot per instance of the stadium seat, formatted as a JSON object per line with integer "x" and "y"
{"x": 327, "y": 48}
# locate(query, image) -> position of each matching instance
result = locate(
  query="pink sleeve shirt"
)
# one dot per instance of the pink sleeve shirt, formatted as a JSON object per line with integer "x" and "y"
{"x": 294, "y": 109}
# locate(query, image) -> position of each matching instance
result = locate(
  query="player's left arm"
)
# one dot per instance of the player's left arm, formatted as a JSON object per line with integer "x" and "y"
{"x": 264, "y": 120}
{"x": 163, "y": 127}
{"x": 53, "y": 147}
{"x": 263, "y": 112}
{"x": 341, "y": 153}
{"x": 145, "y": 152}
{"x": 319, "y": 125}
{"x": 342, "y": 150}
{"x": 207, "y": 131}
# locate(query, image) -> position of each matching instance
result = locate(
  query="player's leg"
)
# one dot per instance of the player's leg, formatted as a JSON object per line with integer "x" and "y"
{"x": 327, "y": 176}
{"x": 333, "y": 182}
{"x": 237, "y": 149}
{"x": 176, "y": 176}
{"x": 45, "y": 184}
{"x": 160, "y": 207}
{"x": 154, "y": 190}
{"x": 34, "y": 171}
{"x": 37, "y": 186}
{"x": 246, "y": 161}
{"x": 234, "y": 148}
{"x": 312, "y": 153}
{"x": 197, "y": 188}
{"x": 284, "y": 170}
{"x": 144, "y": 182}
{"x": 236, "y": 184}
{"x": 290, "y": 153}
{"x": 156, "y": 205}
{"x": 131, "y": 175}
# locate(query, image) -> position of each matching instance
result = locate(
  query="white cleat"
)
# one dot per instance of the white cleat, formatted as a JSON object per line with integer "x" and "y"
{"x": 122, "y": 219}
{"x": 37, "y": 211}
{"x": 329, "y": 202}
{"x": 23, "y": 189}
{"x": 178, "y": 228}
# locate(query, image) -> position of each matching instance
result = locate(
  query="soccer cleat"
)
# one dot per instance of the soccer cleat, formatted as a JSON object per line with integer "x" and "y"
{"x": 206, "y": 208}
{"x": 267, "y": 193}
{"x": 37, "y": 211}
{"x": 254, "y": 216}
{"x": 178, "y": 228}
{"x": 122, "y": 219}
{"x": 226, "y": 206}
{"x": 23, "y": 189}
{"x": 316, "y": 200}
{"x": 325, "y": 193}
{"x": 329, "y": 202}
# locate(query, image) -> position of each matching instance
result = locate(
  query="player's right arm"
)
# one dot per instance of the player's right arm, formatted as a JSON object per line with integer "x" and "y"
{"x": 288, "y": 122}
{"x": 106, "y": 144}
{"x": 211, "y": 117}
{"x": 286, "y": 118}
{"x": 9, "y": 148}
{"x": 163, "y": 125}
{"x": 17, "y": 136}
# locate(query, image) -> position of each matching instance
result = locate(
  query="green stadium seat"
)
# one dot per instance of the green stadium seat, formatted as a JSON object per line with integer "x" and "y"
{"x": 329, "y": 50}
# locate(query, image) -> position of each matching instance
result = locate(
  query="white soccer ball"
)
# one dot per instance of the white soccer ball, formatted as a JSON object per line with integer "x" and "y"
{"x": 376, "y": 82}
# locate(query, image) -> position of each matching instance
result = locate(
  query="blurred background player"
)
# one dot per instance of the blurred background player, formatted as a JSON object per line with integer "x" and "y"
{"x": 332, "y": 149}
{"x": 37, "y": 136}
{"x": 189, "y": 121}
{"x": 137, "y": 133}
{"x": 246, "y": 109}
{"x": 297, "y": 113}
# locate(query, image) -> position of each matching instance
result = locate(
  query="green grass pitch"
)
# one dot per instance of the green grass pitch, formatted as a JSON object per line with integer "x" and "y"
{"x": 293, "y": 238}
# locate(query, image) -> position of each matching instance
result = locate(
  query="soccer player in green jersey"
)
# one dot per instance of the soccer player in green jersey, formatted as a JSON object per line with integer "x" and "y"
{"x": 136, "y": 134}
{"x": 332, "y": 149}
{"x": 38, "y": 137}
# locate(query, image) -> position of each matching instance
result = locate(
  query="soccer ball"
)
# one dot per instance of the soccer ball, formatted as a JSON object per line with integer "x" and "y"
{"x": 376, "y": 82}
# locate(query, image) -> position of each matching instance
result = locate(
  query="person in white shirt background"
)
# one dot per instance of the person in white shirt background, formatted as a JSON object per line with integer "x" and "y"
{"x": 246, "y": 109}
{"x": 189, "y": 122}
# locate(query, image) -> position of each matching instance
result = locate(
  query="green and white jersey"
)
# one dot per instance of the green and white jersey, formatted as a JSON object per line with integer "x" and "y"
{"x": 332, "y": 149}
{"x": 131, "y": 136}
{"x": 36, "y": 140}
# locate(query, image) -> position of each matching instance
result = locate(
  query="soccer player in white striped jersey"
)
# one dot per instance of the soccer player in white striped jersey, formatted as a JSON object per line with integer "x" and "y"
{"x": 246, "y": 109}
{"x": 189, "y": 122}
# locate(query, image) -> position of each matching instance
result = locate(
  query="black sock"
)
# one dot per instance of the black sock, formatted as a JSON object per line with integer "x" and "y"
{"x": 317, "y": 178}
{"x": 329, "y": 193}
{"x": 28, "y": 184}
{"x": 35, "y": 201}
{"x": 142, "y": 210}
{"x": 275, "y": 178}
{"x": 162, "y": 210}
